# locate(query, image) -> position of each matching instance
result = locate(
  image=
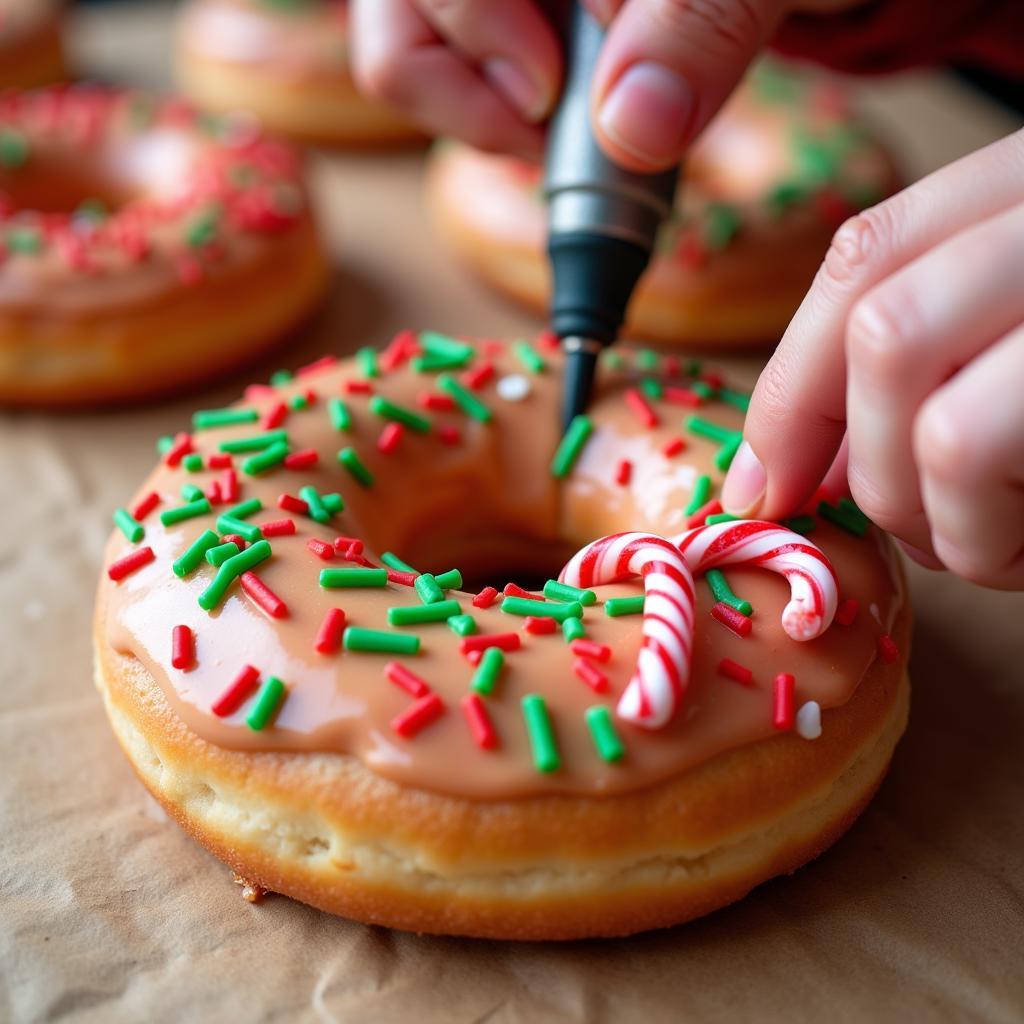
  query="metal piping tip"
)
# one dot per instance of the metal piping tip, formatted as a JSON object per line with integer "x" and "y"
{"x": 578, "y": 383}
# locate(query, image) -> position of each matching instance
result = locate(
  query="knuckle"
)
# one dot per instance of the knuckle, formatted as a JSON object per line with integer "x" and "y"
{"x": 856, "y": 247}
{"x": 942, "y": 448}
{"x": 880, "y": 335}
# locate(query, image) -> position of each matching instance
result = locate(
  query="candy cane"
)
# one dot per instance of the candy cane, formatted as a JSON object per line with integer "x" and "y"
{"x": 663, "y": 665}
{"x": 814, "y": 590}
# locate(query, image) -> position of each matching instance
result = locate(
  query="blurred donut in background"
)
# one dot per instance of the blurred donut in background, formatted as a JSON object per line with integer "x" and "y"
{"x": 31, "y": 43}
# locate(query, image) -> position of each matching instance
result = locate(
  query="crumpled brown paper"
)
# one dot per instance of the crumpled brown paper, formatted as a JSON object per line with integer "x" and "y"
{"x": 108, "y": 912}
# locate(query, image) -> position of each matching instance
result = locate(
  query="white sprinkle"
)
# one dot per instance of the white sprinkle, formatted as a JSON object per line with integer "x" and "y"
{"x": 808, "y": 720}
{"x": 514, "y": 388}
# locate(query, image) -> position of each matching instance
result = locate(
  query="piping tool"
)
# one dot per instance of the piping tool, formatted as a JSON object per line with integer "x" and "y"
{"x": 602, "y": 222}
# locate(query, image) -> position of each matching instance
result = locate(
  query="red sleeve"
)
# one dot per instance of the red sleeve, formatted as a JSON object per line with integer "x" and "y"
{"x": 888, "y": 35}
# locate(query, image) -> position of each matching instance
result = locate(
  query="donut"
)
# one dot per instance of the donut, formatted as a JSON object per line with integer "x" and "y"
{"x": 31, "y": 43}
{"x": 287, "y": 62}
{"x": 323, "y": 643}
{"x": 764, "y": 189}
{"x": 142, "y": 246}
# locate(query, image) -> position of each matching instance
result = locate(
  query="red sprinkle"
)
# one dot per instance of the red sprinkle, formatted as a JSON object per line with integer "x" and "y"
{"x": 639, "y": 407}
{"x": 426, "y": 710}
{"x": 328, "y": 636}
{"x": 713, "y": 507}
{"x": 183, "y": 648}
{"x": 624, "y": 472}
{"x": 846, "y": 613}
{"x": 887, "y": 650}
{"x": 262, "y": 595}
{"x": 403, "y": 345}
{"x": 539, "y": 625}
{"x": 292, "y": 504}
{"x": 479, "y": 720}
{"x": 182, "y": 446}
{"x": 348, "y": 546}
{"x": 485, "y": 598}
{"x": 304, "y": 459}
{"x": 480, "y": 642}
{"x": 229, "y": 485}
{"x": 734, "y": 670}
{"x": 240, "y": 688}
{"x": 673, "y": 446}
{"x": 237, "y": 539}
{"x": 145, "y": 505}
{"x": 220, "y": 460}
{"x": 477, "y": 377}
{"x": 135, "y": 560}
{"x": 323, "y": 363}
{"x": 389, "y": 438}
{"x": 435, "y": 403}
{"x": 591, "y": 649}
{"x": 783, "y": 704}
{"x": 274, "y": 416}
{"x": 671, "y": 366}
{"x": 278, "y": 528}
{"x": 732, "y": 619}
{"x": 683, "y": 396}
{"x": 213, "y": 493}
{"x": 398, "y": 674}
{"x": 320, "y": 548}
{"x": 514, "y": 590}
{"x": 714, "y": 380}
{"x": 590, "y": 674}
{"x": 448, "y": 434}
{"x": 357, "y": 387}
{"x": 403, "y": 579}
{"x": 549, "y": 340}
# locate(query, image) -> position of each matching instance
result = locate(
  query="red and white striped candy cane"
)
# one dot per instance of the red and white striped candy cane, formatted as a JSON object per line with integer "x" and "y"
{"x": 663, "y": 665}
{"x": 814, "y": 590}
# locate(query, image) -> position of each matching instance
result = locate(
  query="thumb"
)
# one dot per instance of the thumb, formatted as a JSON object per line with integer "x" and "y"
{"x": 665, "y": 69}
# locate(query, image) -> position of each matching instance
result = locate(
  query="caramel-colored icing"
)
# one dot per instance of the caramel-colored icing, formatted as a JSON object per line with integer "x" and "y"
{"x": 489, "y": 500}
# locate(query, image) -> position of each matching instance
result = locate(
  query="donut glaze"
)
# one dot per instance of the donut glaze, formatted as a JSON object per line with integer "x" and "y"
{"x": 31, "y": 43}
{"x": 764, "y": 188}
{"x": 287, "y": 63}
{"x": 138, "y": 243}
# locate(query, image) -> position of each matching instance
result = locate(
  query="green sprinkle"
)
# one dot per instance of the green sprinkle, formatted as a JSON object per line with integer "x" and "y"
{"x": 436, "y": 344}
{"x": 271, "y": 456}
{"x": 725, "y": 454}
{"x": 542, "y": 736}
{"x": 199, "y": 507}
{"x": 318, "y": 511}
{"x": 255, "y": 443}
{"x": 193, "y": 462}
{"x": 849, "y": 505}
{"x": 702, "y": 389}
{"x": 647, "y": 359}
{"x": 244, "y": 509}
{"x": 571, "y": 445}
{"x": 392, "y": 561}
{"x": 465, "y": 399}
{"x": 428, "y": 588}
{"x": 573, "y": 629}
{"x": 616, "y": 606}
{"x": 268, "y": 700}
{"x": 434, "y": 363}
{"x": 14, "y": 149}
{"x": 694, "y": 368}
{"x": 555, "y": 591}
{"x": 333, "y": 502}
{"x": 602, "y": 732}
{"x": 529, "y": 357}
{"x": 202, "y": 229}
{"x": 334, "y": 578}
{"x": 450, "y": 580}
{"x": 355, "y": 465}
{"x": 800, "y": 524}
{"x": 612, "y": 360}
{"x": 738, "y": 399}
{"x": 705, "y": 428}
{"x": 722, "y": 224}
{"x": 164, "y": 444}
{"x": 557, "y": 610}
{"x": 485, "y": 678}
{"x": 190, "y": 492}
{"x": 417, "y": 614}
{"x": 230, "y": 570}
{"x": 341, "y": 418}
{"x": 720, "y": 517}
{"x": 701, "y": 492}
{"x": 279, "y": 377}
{"x": 355, "y": 638}
{"x": 463, "y": 625}
{"x": 229, "y": 524}
{"x": 783, "y": 196}
{"x": 367, "y": 360}
{"x": 218, "y": 555}
{"x": 27, "y": 241}
{"x": 205, "y": 419}
{"x": 298, "y": 402}
{"x": 843, "y": 518}
{"x": 723, "y": 592}
{"x": 389, "y": 411}
{"x": 652, "y": 388}
{"x": 129, "y": 525}
{"x": 192, "y": 556}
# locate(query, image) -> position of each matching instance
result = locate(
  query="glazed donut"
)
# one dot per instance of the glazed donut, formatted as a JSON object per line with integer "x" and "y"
{"x": 31, "y": 43}
{"x": 304, "y": 656}
{"x": 142, "y": 247}
{"x": 765, "y": 188}
{"x": 287, "y": 62}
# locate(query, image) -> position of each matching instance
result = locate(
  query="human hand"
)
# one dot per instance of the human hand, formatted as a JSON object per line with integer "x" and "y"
{"x": 903, "y": 371}
{"x": 489, "y": 73}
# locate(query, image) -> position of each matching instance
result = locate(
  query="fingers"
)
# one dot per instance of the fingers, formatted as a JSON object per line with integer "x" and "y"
{"x": 798, "y": 412}
{"x": 665, "y": 69}
{"x": 969, "y": 445}
{"x": 477, "y": 94}
{"x": 908, "y": 335}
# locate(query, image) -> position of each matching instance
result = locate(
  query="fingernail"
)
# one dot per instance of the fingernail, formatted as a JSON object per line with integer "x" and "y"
{"x": 522, "y": 91}
{"x": 648, "y": 113}
{"x": 745, "y": 483}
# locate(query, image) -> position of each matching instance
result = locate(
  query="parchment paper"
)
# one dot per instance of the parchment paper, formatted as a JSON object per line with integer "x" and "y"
{"x": 109, "y": 913}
